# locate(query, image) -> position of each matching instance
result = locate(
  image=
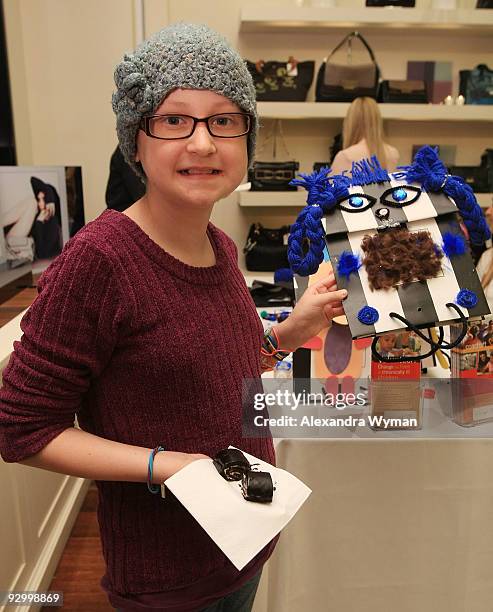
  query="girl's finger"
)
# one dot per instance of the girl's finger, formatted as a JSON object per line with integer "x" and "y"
{"x": 331, "y": 297}
{"x": 324, "y": 284}
{"x": 332, "y": 312}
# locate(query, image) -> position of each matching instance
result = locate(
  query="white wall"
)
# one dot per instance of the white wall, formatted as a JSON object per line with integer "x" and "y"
{"x": 62, "y": 55}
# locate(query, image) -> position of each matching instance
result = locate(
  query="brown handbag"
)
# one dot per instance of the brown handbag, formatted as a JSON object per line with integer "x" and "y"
{"x": 345, "y": 82}
{"x": 404, "y": 92}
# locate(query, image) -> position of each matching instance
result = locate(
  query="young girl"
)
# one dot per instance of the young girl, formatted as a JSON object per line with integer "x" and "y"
{"x": 145, "y": 329}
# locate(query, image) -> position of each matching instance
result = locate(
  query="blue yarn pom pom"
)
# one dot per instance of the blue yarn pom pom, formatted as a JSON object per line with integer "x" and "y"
{"x": 466, "y": 298}
{"x": 283, "y": 275}
{"x": 453, "y": 244}
{"x": 368, "y": 315}
{"x": 347, "y": 264}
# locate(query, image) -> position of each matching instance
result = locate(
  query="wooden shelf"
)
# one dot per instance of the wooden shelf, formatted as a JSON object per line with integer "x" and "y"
{"x": 290, "y": 199}
{"x": 262, "y": 18}
{"x": 395, "y": 112}
{"x": 272, "y": 199}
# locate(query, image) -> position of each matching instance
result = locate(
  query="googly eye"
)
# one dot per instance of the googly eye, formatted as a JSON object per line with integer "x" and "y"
{"x": 400, "y": 196}
{"x": 356, "y": 202}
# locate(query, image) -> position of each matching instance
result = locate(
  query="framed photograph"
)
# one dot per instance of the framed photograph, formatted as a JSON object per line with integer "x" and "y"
{"x": 41, "y": 207}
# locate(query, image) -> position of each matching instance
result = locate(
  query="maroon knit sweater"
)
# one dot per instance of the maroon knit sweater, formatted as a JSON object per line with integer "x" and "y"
{"x": 146, "y": 350}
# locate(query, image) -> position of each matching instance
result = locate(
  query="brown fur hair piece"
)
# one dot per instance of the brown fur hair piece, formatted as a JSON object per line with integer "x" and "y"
{"x": 400, "y": 256}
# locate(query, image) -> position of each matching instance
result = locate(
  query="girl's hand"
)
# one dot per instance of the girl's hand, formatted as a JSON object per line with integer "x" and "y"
{"x": 314, "y": 311}
{"x": 168, "y": 463}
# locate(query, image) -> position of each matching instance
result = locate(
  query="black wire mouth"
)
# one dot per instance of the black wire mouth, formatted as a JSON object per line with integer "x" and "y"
{"x": 435, "y": 346}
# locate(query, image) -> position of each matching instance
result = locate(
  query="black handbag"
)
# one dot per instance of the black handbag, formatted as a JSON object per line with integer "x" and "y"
{"x": 282, "y": 81}
{"x": 266, "y": 249}
{"x": 273, "y": 176}
{"x": 345, "y": 82}
{"x": 404, "y": 92}
{"x": 477, "y": 85}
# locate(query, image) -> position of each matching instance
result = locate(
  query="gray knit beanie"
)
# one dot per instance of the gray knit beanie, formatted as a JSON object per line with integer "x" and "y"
{"x": 182, "y": 55}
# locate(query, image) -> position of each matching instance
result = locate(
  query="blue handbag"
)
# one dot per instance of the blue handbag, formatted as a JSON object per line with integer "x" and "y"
{"x": 477, "y": 85}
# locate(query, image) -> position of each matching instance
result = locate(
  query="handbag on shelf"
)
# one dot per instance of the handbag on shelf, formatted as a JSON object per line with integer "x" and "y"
{"x": 273, "y": 175}
{"x": 403, "y": 92}
{"x": 347, "y": 81}
{"x": 477, "y": 85}
{"x": 266, "y": 249}
{"x": 282, "y": 81}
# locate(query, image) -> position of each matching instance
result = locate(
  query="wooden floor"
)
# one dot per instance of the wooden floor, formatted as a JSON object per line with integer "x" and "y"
{"x": 81, "y": 564}
{"x": 16, "y": 304}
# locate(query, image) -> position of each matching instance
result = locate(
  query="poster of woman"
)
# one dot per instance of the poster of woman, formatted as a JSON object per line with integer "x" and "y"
{"x": 34, "y": 214}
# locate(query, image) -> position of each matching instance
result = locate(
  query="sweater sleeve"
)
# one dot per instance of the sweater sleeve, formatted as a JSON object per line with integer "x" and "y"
{"x": 69, "y": 334}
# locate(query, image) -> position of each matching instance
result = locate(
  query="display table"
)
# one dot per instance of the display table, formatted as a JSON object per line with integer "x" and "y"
{"x": 393, "y": 523}
{"x": 398, "y": 525}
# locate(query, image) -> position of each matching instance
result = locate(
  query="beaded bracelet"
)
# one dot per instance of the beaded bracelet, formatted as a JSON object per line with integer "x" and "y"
{"x": 154, "y": 488}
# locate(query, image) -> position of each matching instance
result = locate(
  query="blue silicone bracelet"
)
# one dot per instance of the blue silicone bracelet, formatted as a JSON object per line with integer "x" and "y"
{"x": 153, "y": 488}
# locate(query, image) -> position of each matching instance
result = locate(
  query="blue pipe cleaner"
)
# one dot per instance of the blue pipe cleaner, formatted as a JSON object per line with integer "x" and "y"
{"x": 348, "y": 263}
{"x": 453, "y": 244}
{"x": 466, "y": 298}
{"x": 322, "y": 189}
{"x": 368, "y": 315}
{"x": 429, "y": 171}
{"x": 368, "y": 171}
{"x": 323, "y": 195}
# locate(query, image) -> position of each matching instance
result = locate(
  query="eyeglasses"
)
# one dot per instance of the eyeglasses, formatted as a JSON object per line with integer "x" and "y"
{"x": 174, "y": 127}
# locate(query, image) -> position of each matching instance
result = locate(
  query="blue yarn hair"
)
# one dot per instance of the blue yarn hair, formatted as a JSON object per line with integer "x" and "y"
{"x": 453, "y": 244}
{"x": 429, "y": 171}
{"x": 323, "y": 194}
{"x": 348, "y": 263}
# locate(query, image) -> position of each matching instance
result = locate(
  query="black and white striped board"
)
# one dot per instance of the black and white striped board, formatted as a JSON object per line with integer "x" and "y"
{"x": 428, "y": 205}
{"x": 423, "y": 303}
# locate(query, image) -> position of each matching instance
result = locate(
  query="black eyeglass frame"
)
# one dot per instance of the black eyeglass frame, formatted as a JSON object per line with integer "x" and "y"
{"x": 145, "y": 125}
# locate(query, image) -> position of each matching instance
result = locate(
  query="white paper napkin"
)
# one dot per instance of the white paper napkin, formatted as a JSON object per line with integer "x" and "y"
{"x": 240, "y": 528}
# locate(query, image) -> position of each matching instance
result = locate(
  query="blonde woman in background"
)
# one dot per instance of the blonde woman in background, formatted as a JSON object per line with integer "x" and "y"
{"x": 363, "y": 136}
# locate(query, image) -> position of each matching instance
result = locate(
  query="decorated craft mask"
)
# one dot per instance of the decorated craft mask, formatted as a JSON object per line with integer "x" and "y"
{"x": 395, "y": 243}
